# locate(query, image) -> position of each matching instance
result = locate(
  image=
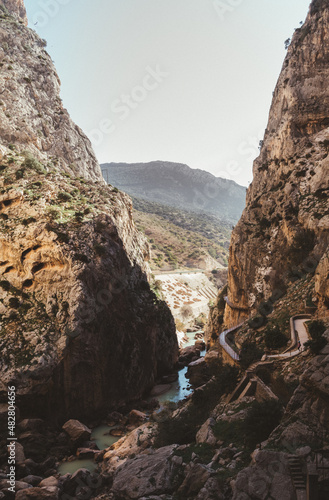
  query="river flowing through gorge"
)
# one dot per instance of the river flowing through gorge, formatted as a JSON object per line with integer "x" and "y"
{"x": 179, "y": 390}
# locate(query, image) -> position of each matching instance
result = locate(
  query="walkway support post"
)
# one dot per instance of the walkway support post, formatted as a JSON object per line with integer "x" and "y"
{"x": 312, "y": 486}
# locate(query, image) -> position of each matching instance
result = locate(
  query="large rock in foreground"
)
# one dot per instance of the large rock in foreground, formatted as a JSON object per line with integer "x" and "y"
{"x": 268, "y": 477}
{"x": 154, "y": 473}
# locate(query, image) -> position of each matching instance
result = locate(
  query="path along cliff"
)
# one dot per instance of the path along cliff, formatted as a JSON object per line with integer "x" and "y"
{"x": 281, "y": 240}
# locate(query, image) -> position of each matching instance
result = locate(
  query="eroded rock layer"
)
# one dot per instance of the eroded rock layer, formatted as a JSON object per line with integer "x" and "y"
{"x": 81, "y": 330}
{"x": 283, "y": 231}
{"x": 32, "y": 114}
{"x": 16, "y": 8}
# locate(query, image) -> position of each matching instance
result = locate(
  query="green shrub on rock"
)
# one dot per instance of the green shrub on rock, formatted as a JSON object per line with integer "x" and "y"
{"x": 316, "y": 330}
{"x": 64, "y": 197}
{"x": 5, "y": 285}
{"x": 32, "y": 163}
{"x": 14, "y": 302}
{"x": 249, "y": 353}
{"x": 274, "y": 338}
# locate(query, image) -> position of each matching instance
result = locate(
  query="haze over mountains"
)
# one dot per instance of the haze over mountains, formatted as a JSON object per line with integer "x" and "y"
{"x": 186, "y": 214}
{"x": 178, "y": 185}
{"x": 85, "y": 333}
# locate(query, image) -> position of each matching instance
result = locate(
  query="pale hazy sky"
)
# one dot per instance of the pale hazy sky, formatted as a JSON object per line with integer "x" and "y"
{"x": 188, "y": 81}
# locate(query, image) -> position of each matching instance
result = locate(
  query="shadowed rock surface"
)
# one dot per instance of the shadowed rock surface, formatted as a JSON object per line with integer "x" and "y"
{"x": 81, "y": 330}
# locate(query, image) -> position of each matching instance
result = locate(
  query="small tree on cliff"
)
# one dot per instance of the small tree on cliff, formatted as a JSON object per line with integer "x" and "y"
{"x": 186, "y": 311}
{"x": 316, "y": 330}
{"x": 249, "y": 353}
{"x": 274, "y": 338}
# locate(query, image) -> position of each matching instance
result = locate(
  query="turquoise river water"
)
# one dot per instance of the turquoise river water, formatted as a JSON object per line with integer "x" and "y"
{"x": 179, "y": 390}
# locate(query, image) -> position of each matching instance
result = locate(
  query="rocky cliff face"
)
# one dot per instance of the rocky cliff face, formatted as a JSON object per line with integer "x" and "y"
{"x": 80, "y": 328}
{"x": 281, "y": 242}
{"x": 283, "y": 232}
{"x": 32, "y": 114}
{"x": 16, "y": 8}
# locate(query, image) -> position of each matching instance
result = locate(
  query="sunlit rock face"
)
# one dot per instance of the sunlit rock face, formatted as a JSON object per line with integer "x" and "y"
{"x": 283, "y": 231}
{"x": 16, "y": 8}
{"x": 33, "y": 117}
{"x": 81, "y": 330}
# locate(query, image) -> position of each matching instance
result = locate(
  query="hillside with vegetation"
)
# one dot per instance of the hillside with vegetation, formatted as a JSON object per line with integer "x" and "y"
{"x": 181, "y": 239}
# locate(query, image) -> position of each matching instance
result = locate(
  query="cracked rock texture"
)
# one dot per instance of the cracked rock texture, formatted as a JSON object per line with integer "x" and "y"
{"x": 81, "y": 329}
{"x": 16, "y": 8}
{"x": 267, "y": 477}
{"x": 31, "y": 111}
{"x": 306, "y": 418}
{"x": 284, "y": 228}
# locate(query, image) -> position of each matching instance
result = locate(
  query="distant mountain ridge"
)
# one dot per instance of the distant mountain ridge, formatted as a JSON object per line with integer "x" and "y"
{"x": 178, "y": 185}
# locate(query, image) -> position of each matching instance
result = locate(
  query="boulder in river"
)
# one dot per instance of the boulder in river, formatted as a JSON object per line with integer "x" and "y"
{"x": 199, "y": 336}
{"x": 87, "y": 453}
{"x": 189, "y": 354}
{"x": 198, "y": 372}
{"x": 77, "y": 431}
{"x": 131, "y": 444}
{"x": 118, "y": 432}
{"x": 49, "y": 481}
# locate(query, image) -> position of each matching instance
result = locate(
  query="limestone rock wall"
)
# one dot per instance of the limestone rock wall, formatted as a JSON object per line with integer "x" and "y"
{"x": 284, "y": 228}
{"x": 15, "y": 8}
{"x": 31, "y": 112}
{"x": 81, "y": 330}
{"x": 306, "y": 417}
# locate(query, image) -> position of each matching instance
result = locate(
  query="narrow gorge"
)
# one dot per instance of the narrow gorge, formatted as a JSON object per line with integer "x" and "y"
{"x": 86, "y": 338}
{"x": 81, "y": 331}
